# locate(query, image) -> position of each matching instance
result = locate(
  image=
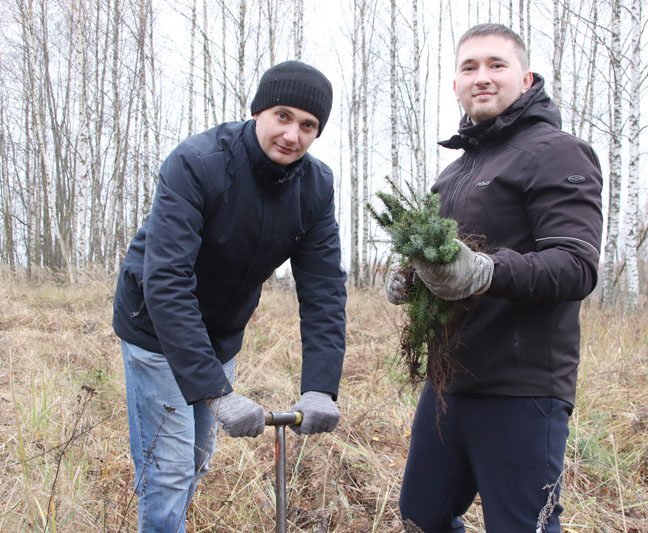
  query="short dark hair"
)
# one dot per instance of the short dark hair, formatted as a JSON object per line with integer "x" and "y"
{"x": 488, "y": 29}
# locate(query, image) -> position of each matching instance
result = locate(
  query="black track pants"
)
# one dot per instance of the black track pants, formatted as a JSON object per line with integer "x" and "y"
{"x": 509, "y": 449}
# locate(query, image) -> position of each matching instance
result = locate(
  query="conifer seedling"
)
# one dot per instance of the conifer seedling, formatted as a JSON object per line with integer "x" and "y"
{"x": 418, "y": 231}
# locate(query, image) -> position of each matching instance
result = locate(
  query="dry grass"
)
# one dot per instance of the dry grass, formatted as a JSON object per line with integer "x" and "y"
{"x": 64, "y": 441}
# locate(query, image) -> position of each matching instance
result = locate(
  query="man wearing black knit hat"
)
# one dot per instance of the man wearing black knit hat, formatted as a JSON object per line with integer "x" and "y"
{"x": 232, "y": 204}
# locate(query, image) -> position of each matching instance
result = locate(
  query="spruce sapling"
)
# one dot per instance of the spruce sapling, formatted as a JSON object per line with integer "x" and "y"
{"x": 418, "y": 231}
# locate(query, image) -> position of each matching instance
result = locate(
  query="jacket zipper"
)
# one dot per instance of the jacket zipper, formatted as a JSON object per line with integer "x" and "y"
{"x": 266, "y": 228}
{"x": 458, "y": 185}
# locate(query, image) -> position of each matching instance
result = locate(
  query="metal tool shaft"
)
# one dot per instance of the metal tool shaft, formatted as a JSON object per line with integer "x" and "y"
{"x": 280, "y": 477}
{"x": 280, "y": 421}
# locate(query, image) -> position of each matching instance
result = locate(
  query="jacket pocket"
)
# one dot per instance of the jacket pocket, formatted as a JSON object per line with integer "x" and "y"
{"x": 532, "y": 335}
{"x": 131, "y": 295}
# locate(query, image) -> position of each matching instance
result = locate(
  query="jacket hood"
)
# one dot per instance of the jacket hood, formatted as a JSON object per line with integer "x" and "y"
{"x": 534, "y": 105}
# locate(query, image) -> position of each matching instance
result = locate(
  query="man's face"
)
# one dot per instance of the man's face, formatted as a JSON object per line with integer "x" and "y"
{"x": 285, "y": 133}
{"x": 489, "y": 76}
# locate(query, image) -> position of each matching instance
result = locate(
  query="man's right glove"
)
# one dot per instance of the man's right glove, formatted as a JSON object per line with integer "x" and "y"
{"x": 320, "y": 413}
{"x": 396, "y": 285}
{"x": 240, "y": 416}
{"x": 470, "y": 273}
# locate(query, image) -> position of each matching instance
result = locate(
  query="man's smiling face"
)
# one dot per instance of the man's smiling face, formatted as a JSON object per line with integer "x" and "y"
{"x": 489, "y": 76}
{"x": 285, "y": 133}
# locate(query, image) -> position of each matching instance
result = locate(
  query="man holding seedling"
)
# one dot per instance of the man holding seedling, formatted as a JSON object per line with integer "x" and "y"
{"x": 532, "y": 194}
{"x": 232, "y": 204}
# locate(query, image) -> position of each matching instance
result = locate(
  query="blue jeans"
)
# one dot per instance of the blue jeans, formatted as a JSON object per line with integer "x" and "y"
{"x": 171, "y": 442}
{"x": 509, "y": 449}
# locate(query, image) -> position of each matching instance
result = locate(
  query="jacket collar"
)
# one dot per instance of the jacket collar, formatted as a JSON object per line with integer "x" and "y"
{"x": 266, "y": 172}
{"x": 534, "y": 105}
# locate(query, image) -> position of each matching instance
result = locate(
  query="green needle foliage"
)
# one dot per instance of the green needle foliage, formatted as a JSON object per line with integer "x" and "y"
{"x": 418, "y": 231}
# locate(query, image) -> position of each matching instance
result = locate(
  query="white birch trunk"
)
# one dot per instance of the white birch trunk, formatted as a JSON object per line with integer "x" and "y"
{"x": 206, "y": 76}
{"x": 9, "y": 244}
{"x": 272, "y": 38}
{"x": 241, "y": 59}
{"x": 192, "y": 66}
{"x": 208, "y": 79}
{"x": 393, "y": 94}
{"x": 418, "y": 111}
{"x": 364, "y": 101}
{"x": 83, "y": 146}
{"x": 155, "y": 101}
{"x": 632, "y": 210}
{"x": 119, "y": 211}
{"x": 355, "y": 155}
{"x": 614, "y": 198}
{"x": 298, "y": 28}
{"x": 225, "y": 82}
{"x": 589, "y": 111}
{"x": 560, "y": 25}
{"x": 35, "y": 128}
{"x": 145, "y": 148}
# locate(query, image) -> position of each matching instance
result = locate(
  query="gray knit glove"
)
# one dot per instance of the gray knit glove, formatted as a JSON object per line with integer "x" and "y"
{"x": 240, "y": 416}
{"x": 396, "y": 285}
{"x": 470, "y": 273}
{"x": 320, "y": 413}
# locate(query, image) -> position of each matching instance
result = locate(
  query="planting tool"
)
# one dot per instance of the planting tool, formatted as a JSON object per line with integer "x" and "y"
{"x": 280, "y": 421}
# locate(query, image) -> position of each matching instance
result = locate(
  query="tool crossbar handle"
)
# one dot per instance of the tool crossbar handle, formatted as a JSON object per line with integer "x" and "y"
{"x": 284, "y": 418}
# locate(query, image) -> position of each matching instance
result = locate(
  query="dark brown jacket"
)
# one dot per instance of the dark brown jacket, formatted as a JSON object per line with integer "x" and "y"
{"x": 533, "y": 194}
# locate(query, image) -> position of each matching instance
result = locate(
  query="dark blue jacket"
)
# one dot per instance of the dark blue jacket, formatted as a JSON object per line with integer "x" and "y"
{"x": 223, "y": 219}
{"x": 533, "y": 193}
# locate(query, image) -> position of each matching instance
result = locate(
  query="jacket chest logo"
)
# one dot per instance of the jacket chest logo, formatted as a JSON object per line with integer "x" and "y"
{"x": 482, "y": 184}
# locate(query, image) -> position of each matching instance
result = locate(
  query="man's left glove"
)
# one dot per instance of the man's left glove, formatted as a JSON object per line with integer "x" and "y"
{"x": 240, "y": 416}
{"x": 320, "y": 413}
{"x": 470, "y": 273}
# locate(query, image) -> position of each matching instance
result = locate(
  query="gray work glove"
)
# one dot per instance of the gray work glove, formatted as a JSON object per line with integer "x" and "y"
{"x": 396, "y": 285}
{"x": 470, "y": 273}
{"x": 240, "y": 416}
{"x": 320, "y": 413}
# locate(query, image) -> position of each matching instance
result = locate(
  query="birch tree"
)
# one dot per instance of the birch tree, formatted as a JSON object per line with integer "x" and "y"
{"x": 271, "y": 17}
{"x": 614, "y": 155}
{"x": 354, "y": 151}
{"x": 8, "y": 241}
{"x": 393, "y": 93}
{"x": 240, "y": 78}
{"x": 119, "y": 141}
{"x": 634, "y": 111}
{"x": 224, "y": 55}
{"x": 417, "y": 133}
{"x": 209, "y": 102}
{"x": 560, "y": 25}
{"x": 192, "y": 67}
{"x": 367, "y": 17}
{"x": 37, "y": 205}
{"x": 298, "y": 29}
{"x": 106, "y": 57}
{"x": 82, "y": 150}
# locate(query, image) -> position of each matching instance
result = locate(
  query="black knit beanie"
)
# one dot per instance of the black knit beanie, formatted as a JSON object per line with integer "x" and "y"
{"x": 295, "y": 84}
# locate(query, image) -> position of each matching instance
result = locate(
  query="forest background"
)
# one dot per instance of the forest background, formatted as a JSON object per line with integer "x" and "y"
{"x": 94, "y": 94}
